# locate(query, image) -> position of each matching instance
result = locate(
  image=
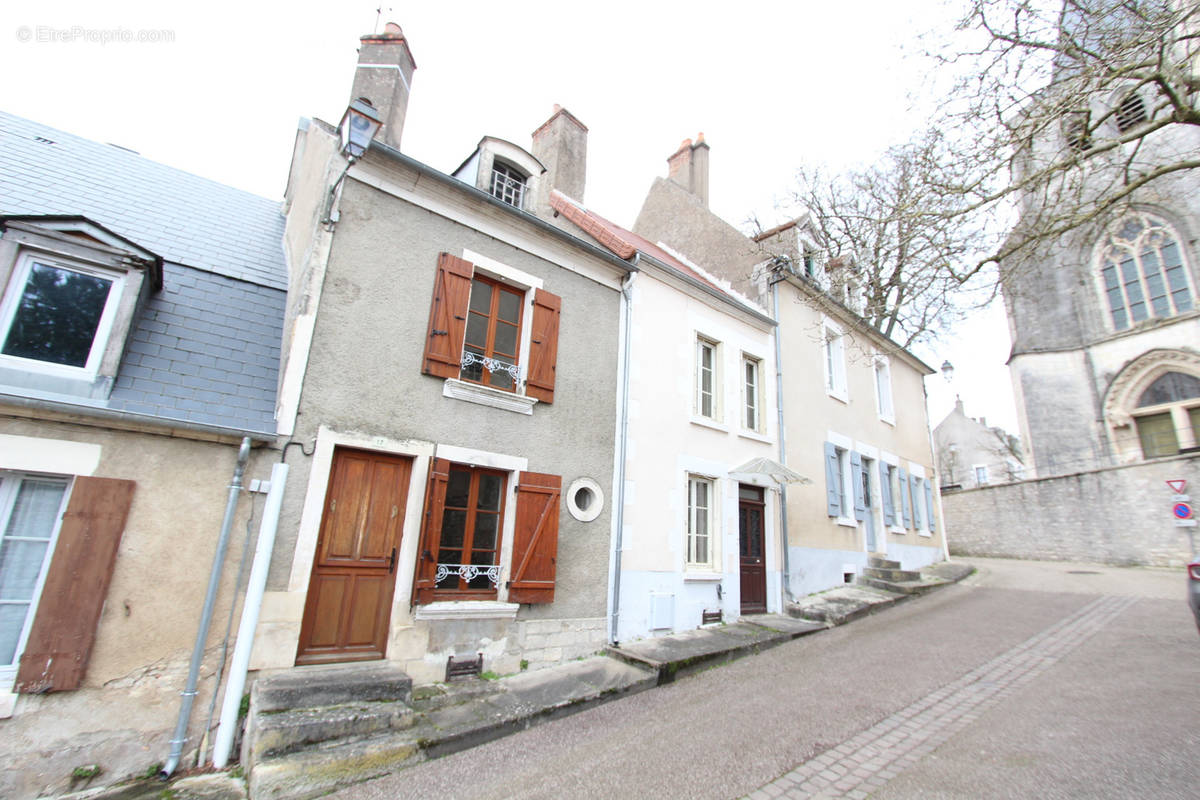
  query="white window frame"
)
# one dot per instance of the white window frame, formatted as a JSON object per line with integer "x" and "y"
{"x": 889, "y": 468}
{"x": 713, "y": 391}
{"x": 15, "y": 290}
{"x": 833, "y": 344}
{"x": 9, "y": 483}
{"x": 843, "y": 445}
{"x": 710, "y": 515}
{"x": 752, "y": 416}
{"x": 976, "y": 469}
{"x": 514, "y": 183}
{"x": 884, "y": 402}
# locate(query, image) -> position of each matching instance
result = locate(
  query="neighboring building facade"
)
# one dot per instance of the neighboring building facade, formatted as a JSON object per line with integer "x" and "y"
{"x": 853, "y": 401}
{"x": 451, "y": 395}
{"x": 139, "y": 344}
{"x": 970, "y": 454}
{"x": 699, "y": 538}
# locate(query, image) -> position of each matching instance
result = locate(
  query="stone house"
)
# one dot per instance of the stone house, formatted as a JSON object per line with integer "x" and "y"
{"x": 971, "y": 454}
{"x": 854, "y": 414}
{"x": 449, "y": 404}
{"x": 140, "y": 324}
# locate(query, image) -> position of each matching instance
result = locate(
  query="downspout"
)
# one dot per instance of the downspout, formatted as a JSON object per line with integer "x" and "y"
{"x": 210, "y": 600}
{"x": 622, "y": 440}
{"x": 255, "y": 588}
{"x": 783, "y": 520}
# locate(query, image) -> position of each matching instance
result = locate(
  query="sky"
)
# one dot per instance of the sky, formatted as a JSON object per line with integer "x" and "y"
{"x": 218, "y": 88}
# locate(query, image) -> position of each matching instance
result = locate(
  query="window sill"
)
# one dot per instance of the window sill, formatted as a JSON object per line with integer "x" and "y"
{"x": 466, "y": 609}
{"x": 841, "y": 396}
{"x": 705, "y": 422}
{"x": 755, "y": 436}
{"x": 701, "y": 576}
{"x": 925, "y": 534}
{"x": 888, "y": 420}
{"x": 486, "y": 396}
{"x": 846, "y": 522}
{"x": 897, "y": 530}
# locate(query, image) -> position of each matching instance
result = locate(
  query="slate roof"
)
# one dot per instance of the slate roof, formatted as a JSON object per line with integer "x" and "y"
{"x": 182, "y": 217}
{"x": 205, "y": 348}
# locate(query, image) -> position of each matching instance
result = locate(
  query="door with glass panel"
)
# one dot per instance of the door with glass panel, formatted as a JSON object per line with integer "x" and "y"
{"x": 753, "y": 549}
{"x": 30, "y": 512}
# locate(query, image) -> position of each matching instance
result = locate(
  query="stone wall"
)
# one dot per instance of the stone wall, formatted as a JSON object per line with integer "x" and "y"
{"x": 1118, "y": 515}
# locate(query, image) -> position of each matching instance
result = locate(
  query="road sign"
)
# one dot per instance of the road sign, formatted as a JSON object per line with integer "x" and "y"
{"x": 1177, "y": 486}
{"x": 1182, "y": 511}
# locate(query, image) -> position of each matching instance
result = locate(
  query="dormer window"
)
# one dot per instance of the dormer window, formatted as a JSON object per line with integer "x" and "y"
{"x": 508, "y": 184}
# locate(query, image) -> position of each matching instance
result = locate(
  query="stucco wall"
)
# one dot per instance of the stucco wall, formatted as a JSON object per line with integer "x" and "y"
{"x": 124, "y": 714}
{"x": 1119, "y": 515}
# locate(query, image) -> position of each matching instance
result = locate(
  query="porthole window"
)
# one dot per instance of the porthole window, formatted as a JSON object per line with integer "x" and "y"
{"x": 585, "y": 499}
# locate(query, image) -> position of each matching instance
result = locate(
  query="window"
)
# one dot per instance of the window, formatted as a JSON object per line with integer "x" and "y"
{"x": 461, "y": 535}
{"x": 707, "y": 378}
{"x": 57, "y": 315}
{"x": 490, "y": 348}
{"x": 30, "y": 507}
{"x": 883, "y": 389}
{"x": 809, "y": 258}
{"x": 699, "y": 522}
{"x": 1167, "y": 415}
{"x": 1077, "y": 130}
{"x": 839, "y": 499}
{"x": 750, "y": 393}
{"x": 835, "y": 362}
{"x": 468, "y": 547}
{"x": 508, "y": 184}
{"x": 1131, "y": 112}
{"x": 981, "y": 474}
{"x": 486, "y": 330}
{"x": 1144, "y": 272}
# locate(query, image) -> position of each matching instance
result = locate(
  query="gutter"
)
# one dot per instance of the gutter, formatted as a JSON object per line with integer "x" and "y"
{"x": 783, "y": 520}
{"x": 622, "y": 446}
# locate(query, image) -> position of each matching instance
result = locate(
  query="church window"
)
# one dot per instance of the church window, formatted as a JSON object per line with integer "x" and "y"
{"x": 1144, "y": 272}
{"x": 1168, "y": 415}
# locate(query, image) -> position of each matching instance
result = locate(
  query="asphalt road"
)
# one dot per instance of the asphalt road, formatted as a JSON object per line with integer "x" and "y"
{"x": 1027, "y": 680}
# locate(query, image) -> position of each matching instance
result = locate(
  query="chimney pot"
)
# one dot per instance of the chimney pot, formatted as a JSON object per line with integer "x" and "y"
{"x": 688, "y": 167}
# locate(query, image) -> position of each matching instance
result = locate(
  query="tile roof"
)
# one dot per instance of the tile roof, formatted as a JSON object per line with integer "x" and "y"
{"x": 182, "y": 217}
{"x": 625, "y": 243}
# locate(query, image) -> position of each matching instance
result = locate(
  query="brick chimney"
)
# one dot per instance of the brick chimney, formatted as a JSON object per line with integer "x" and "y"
{"x": 384, "y": 76}
{"x": 560, "y": 143}
{"x": 688, "y": 166}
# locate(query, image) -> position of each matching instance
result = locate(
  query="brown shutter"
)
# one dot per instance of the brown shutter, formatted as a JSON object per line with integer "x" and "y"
{"x": 64, "y": 628}
{"x": 448, "y": 317}
{"x": 431, "y": 531}
{"x": 543, "y": 346}
{"x": 535, "y": 541}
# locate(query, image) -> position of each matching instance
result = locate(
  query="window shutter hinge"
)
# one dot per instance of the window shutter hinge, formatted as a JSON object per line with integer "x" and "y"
{"x": 439, "y": 333}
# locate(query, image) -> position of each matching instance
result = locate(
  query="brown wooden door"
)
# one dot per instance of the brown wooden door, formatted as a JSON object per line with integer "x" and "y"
{"x": 753, "y": 555}
{"x": 354, "y": 571}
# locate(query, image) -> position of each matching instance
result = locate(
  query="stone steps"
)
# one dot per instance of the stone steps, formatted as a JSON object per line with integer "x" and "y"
{"x": 894, "y": 575}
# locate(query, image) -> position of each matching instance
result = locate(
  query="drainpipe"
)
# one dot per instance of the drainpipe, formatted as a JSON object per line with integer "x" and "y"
{"x": 622, "y": 439}
{"x": 257, "y": 585}
{"x": 210, "y": 600}
{"x": 783, "y": 523}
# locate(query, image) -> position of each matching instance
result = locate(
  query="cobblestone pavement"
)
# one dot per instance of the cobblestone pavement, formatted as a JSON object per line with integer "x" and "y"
{"x": 867, "y": 761}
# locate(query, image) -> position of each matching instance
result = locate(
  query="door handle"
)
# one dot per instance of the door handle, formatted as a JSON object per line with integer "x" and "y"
{"x": 392, "y": 562}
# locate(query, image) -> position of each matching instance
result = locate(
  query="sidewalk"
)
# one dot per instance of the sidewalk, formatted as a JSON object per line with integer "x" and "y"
{"x": 451, "y": 717}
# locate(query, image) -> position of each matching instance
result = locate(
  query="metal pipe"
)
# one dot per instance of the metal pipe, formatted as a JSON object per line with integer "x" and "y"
{"x": 622, "y": 439}
{"x": 255, "y": 588}
{"x": 210, "y": 600}
{"x": 783, "y": 523}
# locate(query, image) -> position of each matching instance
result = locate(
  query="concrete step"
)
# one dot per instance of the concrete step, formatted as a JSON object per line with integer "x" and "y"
{"x": 314, "y": 687}
{"x": 287, "y": 731}
{"x": 879, "y": 562}
{"x": 898, "y": 587}
{"x": 317, "y": 772}
{"x": 895, "y": 575}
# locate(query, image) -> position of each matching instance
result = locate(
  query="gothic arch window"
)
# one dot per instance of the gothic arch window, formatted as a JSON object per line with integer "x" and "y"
{"x": 1167, "y": 415}
{"x": 1144, "y": 272}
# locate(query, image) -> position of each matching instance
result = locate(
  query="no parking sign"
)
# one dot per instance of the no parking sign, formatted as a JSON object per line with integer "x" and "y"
{"x": 1181, "y": 508}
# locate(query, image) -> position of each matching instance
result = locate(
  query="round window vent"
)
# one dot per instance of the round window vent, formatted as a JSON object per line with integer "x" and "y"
{"x": 585, "y": 499}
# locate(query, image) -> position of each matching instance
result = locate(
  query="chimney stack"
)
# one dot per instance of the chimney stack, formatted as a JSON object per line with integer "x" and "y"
{"x": 560, "y": 143}
{"x": 384, "y": 77}
{"x": 688, "y": 166}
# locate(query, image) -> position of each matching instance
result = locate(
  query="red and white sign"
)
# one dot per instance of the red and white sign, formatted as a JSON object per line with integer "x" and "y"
{"x": 1177, "y": 486}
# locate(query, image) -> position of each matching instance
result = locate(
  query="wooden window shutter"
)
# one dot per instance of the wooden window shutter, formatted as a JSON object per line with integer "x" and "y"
{"x": 448, "y": 317}
{"x": 905, "y": 499}
{"x": 885, "y": 491}
{"x": 431, "y": 531}
{"x": 929, "y": 505}
{"x": 856, "y": 471}
{"x": 543, "y": 346}
{"x": 833, "y": 482}
{"x": 64, "y": 627}
{"x": 535, "y": 541}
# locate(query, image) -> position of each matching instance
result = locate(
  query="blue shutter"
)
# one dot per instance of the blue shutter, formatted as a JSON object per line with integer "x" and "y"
{"x": 905, "y": 501}
{"x": 885, "y": 489}
{"x": 915, "y": 485}
{"x": 833, "y": 481}
{"x": 929, "y": 505}
{"x": 860, "y": 502}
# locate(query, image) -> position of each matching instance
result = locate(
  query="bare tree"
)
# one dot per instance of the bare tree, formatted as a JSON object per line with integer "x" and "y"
{"x": 1063, "y": 113}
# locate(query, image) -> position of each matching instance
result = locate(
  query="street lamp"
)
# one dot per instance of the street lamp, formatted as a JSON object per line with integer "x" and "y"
{"x": 358, "y": 127}
{"x": 947, "y": 371}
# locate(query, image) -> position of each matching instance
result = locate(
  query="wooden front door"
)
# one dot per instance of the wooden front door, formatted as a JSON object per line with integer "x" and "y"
{"x": 753, "y": 553}
{"x": 354, "y": 570}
